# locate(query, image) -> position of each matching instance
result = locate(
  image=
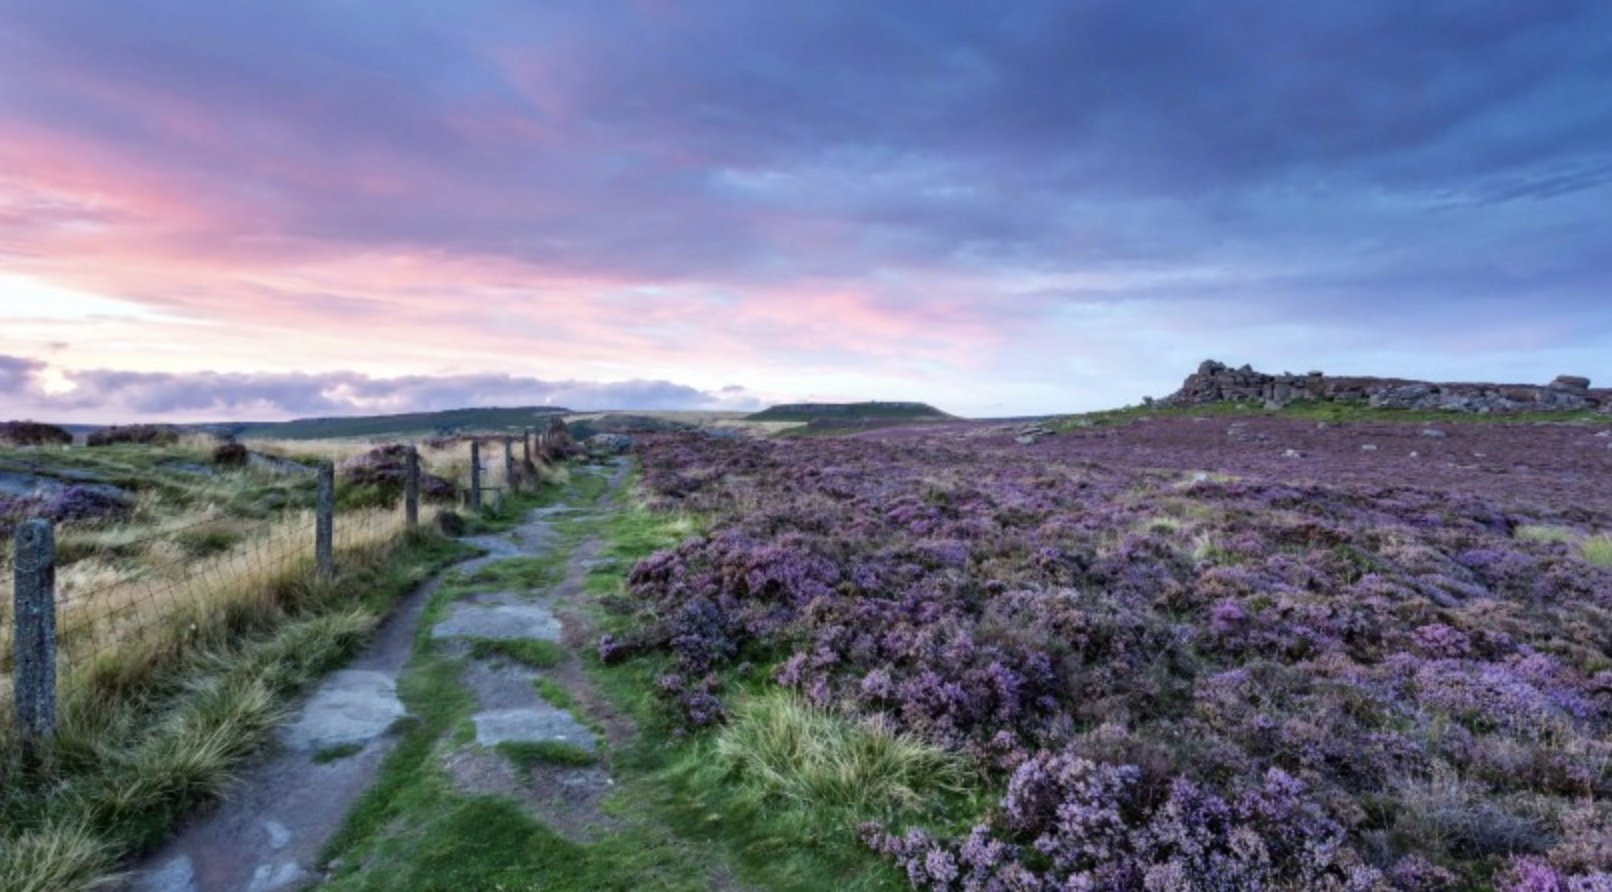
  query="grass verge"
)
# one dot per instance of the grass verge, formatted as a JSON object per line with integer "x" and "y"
{"x": 781, "y": 788}
{"x": 139, "y": 745}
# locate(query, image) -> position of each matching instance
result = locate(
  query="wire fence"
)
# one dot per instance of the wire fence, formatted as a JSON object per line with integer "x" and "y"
{"x": 163, "y": 590}
{"x": 127, "y": 597}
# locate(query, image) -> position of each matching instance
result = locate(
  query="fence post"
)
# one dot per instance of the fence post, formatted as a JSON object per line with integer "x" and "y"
{"x": 411, "y": 488}
{"x": 34, "y": 638}
{"x": 526, "y": 446}
{"x": 475, "y": 475}
{"x": 509, "y": 464}
{"x": 324, "y": 520}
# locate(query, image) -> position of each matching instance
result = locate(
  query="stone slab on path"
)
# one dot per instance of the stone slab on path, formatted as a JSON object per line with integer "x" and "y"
{"x": 533, "y": 724}
{"x": 500, "y": 621}
{"x": 353, "y": 706}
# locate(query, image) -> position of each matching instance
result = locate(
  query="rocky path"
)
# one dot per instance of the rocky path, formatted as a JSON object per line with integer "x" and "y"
{"x": 267, "y": 832}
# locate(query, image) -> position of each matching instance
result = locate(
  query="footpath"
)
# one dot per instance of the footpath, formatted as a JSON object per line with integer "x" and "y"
{"x": 271, "y": 827}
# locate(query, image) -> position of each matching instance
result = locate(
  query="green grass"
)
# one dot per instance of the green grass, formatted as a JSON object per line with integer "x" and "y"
{"x": 782, "y": 787}
{"x": 847, "y": 411}
{"x": 1595, "y": 549}
{"x": 413, "y": 831}
{"x": 554, "y": 694}
{"x": 1598, "y": 550}
{"x": 526, "y": 754}
{"x": 779, "y": 752}
{"x": 1546, "y": 533}
{"x": 685, "y": 816}
{"x": 337, "y": 752}
{"x": 138, "y": 747}
{"x": 512, "y": 420}
{"x": 520, "y": 574}
{"x": 532, "y": 652}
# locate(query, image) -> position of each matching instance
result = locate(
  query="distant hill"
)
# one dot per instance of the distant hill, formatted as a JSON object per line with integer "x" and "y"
{"x": 413, "y": 423}
{"x": 850, "y": 412}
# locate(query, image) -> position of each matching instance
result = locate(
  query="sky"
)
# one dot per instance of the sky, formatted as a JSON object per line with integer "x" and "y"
{"x": 229, "y": 210}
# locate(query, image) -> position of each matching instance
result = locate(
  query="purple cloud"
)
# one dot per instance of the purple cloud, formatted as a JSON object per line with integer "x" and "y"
{"x": 118, "y": 395}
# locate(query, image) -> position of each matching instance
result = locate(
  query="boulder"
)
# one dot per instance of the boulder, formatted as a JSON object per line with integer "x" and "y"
{"x": 231, "y": 455}
{"x": 32, "y": 433}
{"x": 1570, "y": 382}
{"x": 145, "y": 434}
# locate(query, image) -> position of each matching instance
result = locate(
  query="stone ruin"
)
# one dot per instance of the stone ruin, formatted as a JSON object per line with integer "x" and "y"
{"x": 1216, "y": 382}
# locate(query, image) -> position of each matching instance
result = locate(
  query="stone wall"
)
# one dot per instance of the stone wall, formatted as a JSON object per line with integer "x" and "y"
{"x": 1216, "y": 382}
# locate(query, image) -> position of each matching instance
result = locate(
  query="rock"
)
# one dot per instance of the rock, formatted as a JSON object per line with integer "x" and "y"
{"x": 351, "y": 706}
{"x": 147, "y": 434}
{"x": 1368, "y": 447}
{"x": 1292, "y": 453}
{"x": 1433, "y": 433}
{"x": 1215, "y": 382}
{"x": 609, "y": 444}
{"x": 450, "y": 523}
{"x": 32, "y": 433}
{"x": 231, "y": 455}
{"x": 531, "y": 726}
{"x": 1025, "y": 440}
{"x": 500, "y": 622}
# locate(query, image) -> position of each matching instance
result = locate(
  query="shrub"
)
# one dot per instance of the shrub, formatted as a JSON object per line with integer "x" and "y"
{"x": 144, "y": 434}
{"x": 32, "y": 433}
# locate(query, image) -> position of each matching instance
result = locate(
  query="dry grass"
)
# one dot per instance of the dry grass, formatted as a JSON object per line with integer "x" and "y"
{"x": 325, "y": 450}
{"x": 116, "y": 597}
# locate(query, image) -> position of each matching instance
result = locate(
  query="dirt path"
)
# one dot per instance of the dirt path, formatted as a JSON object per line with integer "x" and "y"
{"x": 269, "y": 827}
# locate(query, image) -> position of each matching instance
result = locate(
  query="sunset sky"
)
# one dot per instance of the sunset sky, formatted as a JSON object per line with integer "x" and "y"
{"x": 217, "y": 210}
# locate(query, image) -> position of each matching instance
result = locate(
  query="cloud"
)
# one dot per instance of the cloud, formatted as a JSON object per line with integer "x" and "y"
{"x": 105, "y": 394}
{"x": 17, "y": 374}
{"x": 898, "y": 199}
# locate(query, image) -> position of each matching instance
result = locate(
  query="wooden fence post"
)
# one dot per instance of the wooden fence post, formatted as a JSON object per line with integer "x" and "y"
{"x": 526, "y": 446}
{"x": 34, "y": 637}
{"x": 411, "y": 488}
{"x": 475, "y": 475}
{"x": 509, "y": 464}
{"x": 324, "y": 525}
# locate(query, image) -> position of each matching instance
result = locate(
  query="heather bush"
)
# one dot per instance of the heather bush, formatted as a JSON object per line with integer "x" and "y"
{"x": 1178, "y": 680}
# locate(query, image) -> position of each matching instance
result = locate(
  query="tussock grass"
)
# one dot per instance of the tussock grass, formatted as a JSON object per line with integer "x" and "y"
{"x": 57, "y": 858}
{"x": 1598, "y": 550}
{"x": 151, "y": 728}
{"x": 1595, "y": 549}
{"x": 1545, "y": 533}
{"x": 780, "y": 749}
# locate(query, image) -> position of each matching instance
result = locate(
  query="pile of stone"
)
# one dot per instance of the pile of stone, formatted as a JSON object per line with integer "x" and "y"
{"x": 145, "y": 434}
{"x": 1216, "y": 382}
